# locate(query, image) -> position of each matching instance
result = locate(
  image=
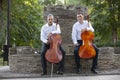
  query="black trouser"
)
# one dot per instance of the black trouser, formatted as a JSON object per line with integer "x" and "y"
{"x": 45, "y": 47}
{"x": 77, "y": 58}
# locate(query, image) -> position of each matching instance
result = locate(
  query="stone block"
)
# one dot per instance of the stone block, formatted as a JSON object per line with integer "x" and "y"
{"x": 30, "y": 63}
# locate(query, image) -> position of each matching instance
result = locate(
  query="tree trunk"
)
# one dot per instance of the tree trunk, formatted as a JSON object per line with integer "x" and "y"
{"x": 112, "y": 4}
{"x": 0, "y": 13}
{"x": 114, "y": 35}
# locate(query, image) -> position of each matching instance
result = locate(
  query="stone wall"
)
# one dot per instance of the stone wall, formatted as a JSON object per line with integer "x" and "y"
{"x": 106, "y": 58}
{"x": 67, "y": 17}
{"x": 25, "y": 59}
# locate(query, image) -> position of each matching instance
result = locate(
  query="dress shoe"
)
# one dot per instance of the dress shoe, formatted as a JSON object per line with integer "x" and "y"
{"x": 78, "y": 71}
{"x": 94, "y": 71}
{"x": 60, "y": 72}
{"x": 43, "y": 73}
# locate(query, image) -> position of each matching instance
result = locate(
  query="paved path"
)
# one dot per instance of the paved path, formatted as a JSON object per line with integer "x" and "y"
{"x": 99, "y": 77}
{"x": 6, "y": 74}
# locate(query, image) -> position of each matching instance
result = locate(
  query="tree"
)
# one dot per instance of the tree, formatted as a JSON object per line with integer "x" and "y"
{"x": 2, "y": 28}
{"x": 26, "y": 18}
{"x": 106, "y": 20}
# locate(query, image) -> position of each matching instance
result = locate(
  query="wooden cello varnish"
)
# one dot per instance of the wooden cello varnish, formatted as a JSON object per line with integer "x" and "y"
{"x": 86, "y": 50}
{"x": 54, "y": 54}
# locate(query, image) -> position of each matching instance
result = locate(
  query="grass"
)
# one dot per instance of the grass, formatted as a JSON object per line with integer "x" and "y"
{"x": 1, "y": 61}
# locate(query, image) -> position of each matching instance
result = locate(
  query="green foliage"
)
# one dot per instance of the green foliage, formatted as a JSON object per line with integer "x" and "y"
{"x": 2, "y": 25}
{"x": 1, "y": 61}
{"x": 105, "y": 18}
{"x": 48, "y": 2}
{"x": 29, "y": 19}
{"x": 26, "y": 18}
{"x": 73, "y": 2}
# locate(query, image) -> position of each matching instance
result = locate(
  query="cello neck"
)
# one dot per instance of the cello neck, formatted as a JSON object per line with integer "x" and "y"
{"x": 88, "y": 19}
{"x": 56, "y": 21}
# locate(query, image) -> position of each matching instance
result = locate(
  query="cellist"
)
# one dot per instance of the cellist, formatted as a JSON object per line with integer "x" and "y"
{"x": 80, "y": 26}
{"x": 47, "y": 30}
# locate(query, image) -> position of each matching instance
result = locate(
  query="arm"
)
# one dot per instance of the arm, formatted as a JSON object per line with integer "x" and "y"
{"x": 42, "y": 36}
{"x": 74, "y": 33}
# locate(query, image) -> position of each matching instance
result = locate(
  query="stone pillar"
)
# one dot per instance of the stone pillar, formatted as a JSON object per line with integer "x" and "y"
{"x": 67, "y": 17}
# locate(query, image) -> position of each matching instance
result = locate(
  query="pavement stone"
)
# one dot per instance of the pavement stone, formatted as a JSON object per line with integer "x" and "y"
{"x": 7, "y": 74}
{"x": 98, "y": 77}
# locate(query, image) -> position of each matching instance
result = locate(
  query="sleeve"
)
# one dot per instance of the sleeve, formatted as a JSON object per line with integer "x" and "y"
{"x": 57, "y": 31}
{"x": 74, "y": 33}
{"x": 90, "y": 27}
{"x": 42, "y": 36}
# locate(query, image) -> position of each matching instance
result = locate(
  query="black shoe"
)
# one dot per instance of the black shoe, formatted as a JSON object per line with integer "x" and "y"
{"x": 78, "y": 71}
{"x": 94, "y": 71}
{"x": 43, "y": 73}
{"x": 60, "y": 72}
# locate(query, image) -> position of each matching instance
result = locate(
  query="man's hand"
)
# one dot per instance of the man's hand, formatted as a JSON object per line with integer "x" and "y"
{"x": 48, "y": 43}
{"x": 49, "y": 35}
{"x": 76, "y": 44}
{"x": 83, "y": 30}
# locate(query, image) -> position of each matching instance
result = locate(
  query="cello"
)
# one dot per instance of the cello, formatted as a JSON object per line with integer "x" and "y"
{"x": 53, "y": 54}
{"x": 86, "y": 50}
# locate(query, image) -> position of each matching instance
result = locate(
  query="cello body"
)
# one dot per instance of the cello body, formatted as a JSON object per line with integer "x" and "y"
{"x": 53, "y": 54}
{"x": 86, "y": 50}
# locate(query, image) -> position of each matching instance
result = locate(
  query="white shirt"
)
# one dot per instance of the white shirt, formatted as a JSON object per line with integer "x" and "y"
{"x": 46, "y": 30}
{"x": 76, "y": 30}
